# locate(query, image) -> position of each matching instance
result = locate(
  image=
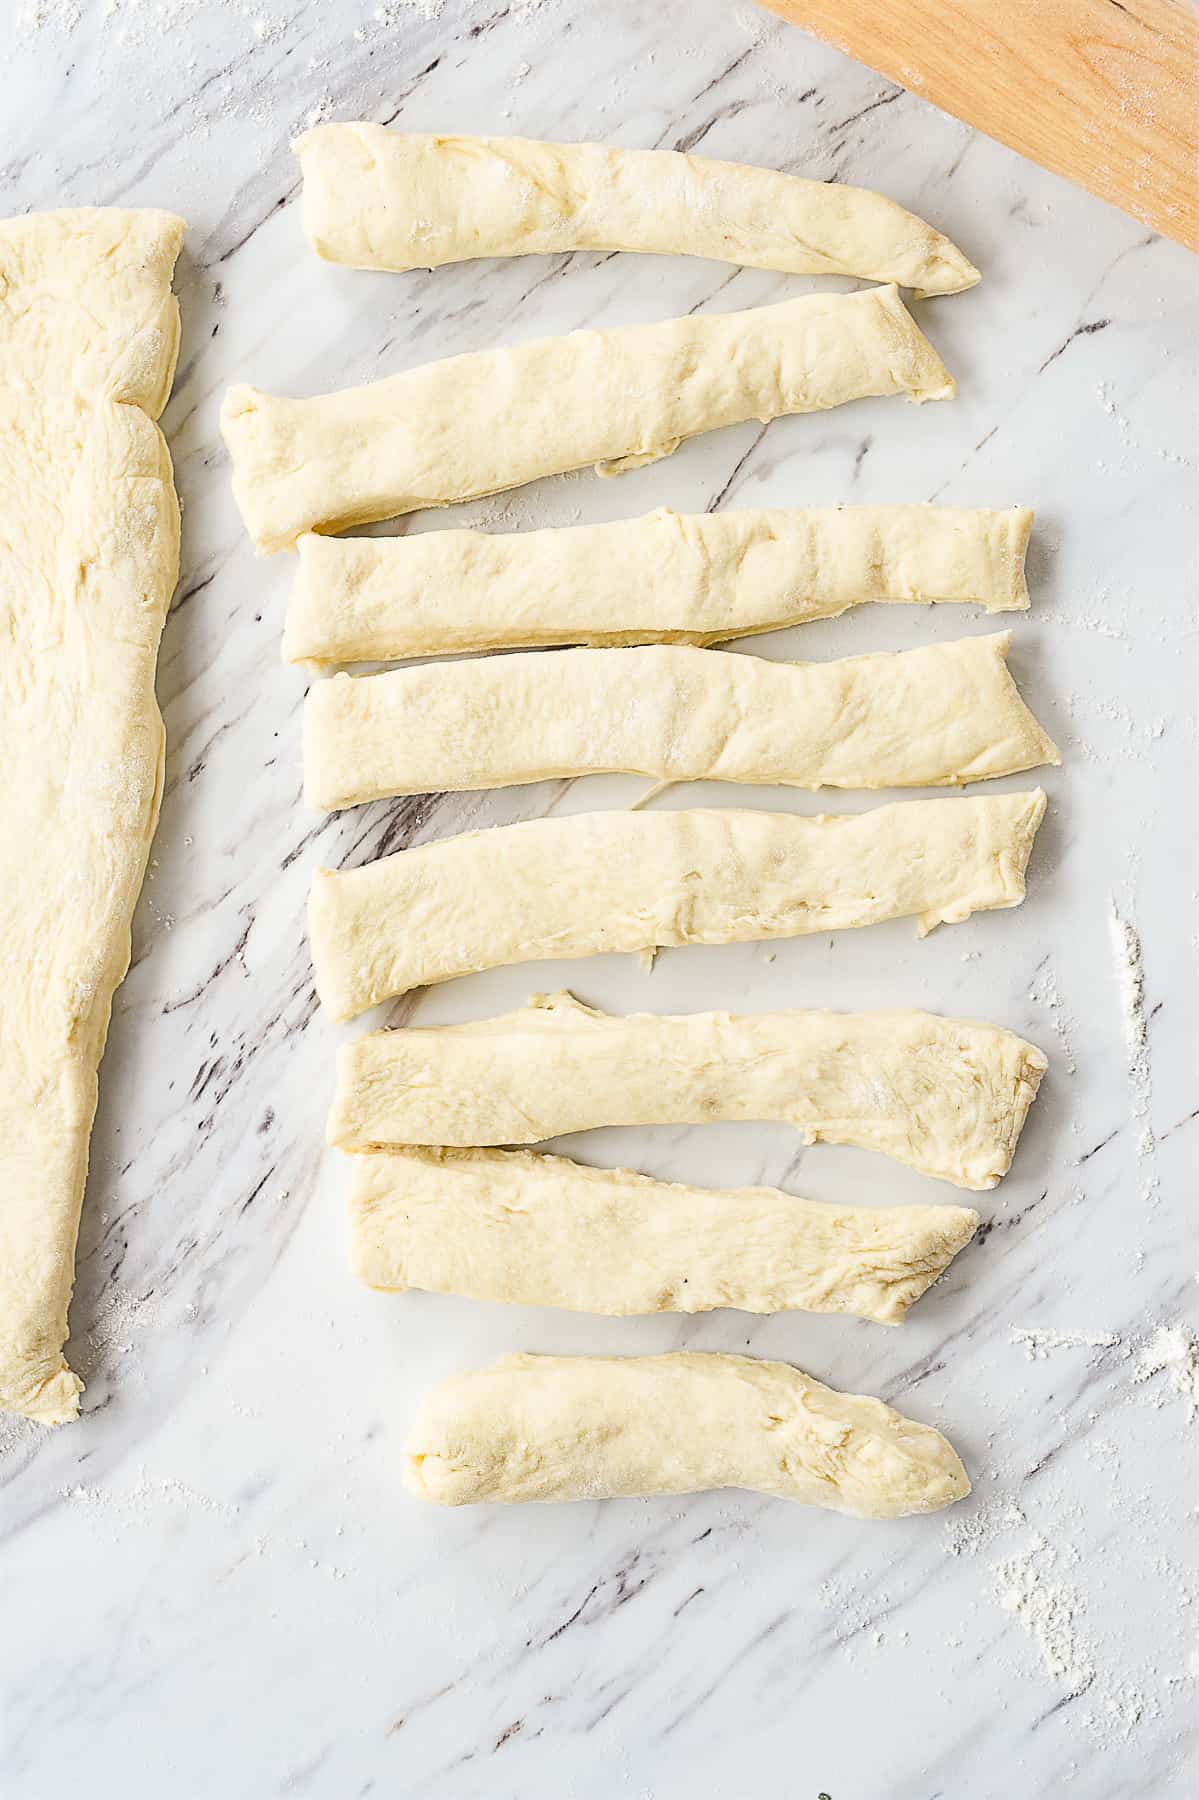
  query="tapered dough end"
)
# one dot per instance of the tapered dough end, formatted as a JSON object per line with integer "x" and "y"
{"x": 1019, "y": 817}
{"x": 551, "y": 1428}
{"x": 1032, "y": 1067}
{"x": 1029, "y": 811}
{"x": 52, "y": 1400}
{"x": 1019, "y": 521}
{"x": 917, "y": 367}
{"x": 948, "y": 272}
{"x": 1040, "y": 751}
{"x": 946, "y": 1231}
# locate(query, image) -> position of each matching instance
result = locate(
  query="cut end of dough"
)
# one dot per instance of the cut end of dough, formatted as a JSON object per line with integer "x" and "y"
{"x": 947, "y": 1231}
{"x": 53, "y": 1401}
{"x": 950, "y": 273}
{"x": 918, "y": 370}
{"x": 324, "y": 933}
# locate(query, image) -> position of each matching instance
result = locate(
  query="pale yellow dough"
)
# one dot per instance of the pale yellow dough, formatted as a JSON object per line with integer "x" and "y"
{"x": 604, "y": 1427}
{"x": 89, "y": 552}
{"x": 934, "y": 717}
{"x": 700, "y": 578}
{"x": 379, "y": 199}
{"x": 949, "y": 1097}
{"x": 532, "y": 1230}
{"x": 629, "y": 881}
{"x": 481, "y": 423}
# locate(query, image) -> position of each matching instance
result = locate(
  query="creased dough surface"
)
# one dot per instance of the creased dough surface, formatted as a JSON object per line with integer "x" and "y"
{"x": 533, "y": 1230}
{"x": 934, "y": 717}
{"x": 628, "y": 881}
{"x": 379, "y": 199}
{"x": 601, "y": 1427}
{"x": 949, "y": 1097}
{"x": 480, "y": 423}
{"x": 701, "y": 578}
{"x": 89, "y": 550}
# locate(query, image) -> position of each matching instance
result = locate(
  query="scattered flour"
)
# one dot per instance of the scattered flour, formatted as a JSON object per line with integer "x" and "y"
{"x": 1169, "y": 1350}
{"x": 1045, "y": 992}
{"x": 1039, "y": 1341}
{"x": 120, "y": 1317}
{"x": 1081, "y": 1646}
{"x": 1130, "y": 971}
{"x": 1026, "y": 1585}
{"x": 1173, "y": 1351}
{"x": 147, "y": 1495}
{"x": 1092, "y": 624}
{"x": 966, "y": 1533}
{"x": 393, "y": 11}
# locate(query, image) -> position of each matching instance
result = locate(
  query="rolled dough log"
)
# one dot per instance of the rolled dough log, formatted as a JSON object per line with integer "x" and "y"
{"x": 700, "y": 579}
{"x": 942, "y": 715}
{"x": 534, "y": 1230}
{"x": 946, "y": 1096}
{"x": 379, "y": 199}
{"x": 89, "y": 553}
{"x": 481, "y": 423}
{"x": 628, "y": 881}
{"x": 603, "y": 1427}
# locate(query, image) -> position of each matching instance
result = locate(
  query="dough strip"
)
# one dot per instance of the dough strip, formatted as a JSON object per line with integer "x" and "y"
{"x": 933, "y": 717}
{"x": 89, "y": 556}
{"x": 638, "y": 881}
{"x": 700, "y": 579}
{"x": 481, "y": 423}
{"x": 600, "y": 1427}
{"x": 379, "y": 199}
{"x": 532, "y": 1230}
{"x": 948, "y": 1097}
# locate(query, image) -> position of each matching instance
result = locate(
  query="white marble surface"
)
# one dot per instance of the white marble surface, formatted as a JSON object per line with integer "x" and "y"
{"x": 214, "y": 1584}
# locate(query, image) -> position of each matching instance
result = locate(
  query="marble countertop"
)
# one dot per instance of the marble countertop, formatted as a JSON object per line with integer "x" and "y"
{"x": 214, "y": 1583}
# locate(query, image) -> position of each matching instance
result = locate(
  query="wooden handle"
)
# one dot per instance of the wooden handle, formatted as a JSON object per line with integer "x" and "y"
{"x": 1105, "y": 92}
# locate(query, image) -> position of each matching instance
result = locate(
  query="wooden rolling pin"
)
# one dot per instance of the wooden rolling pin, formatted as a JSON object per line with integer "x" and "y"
{"x": 1104, "y": 92}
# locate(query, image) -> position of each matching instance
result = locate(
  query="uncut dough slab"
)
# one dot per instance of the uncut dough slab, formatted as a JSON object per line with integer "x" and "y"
{"x": 701, "y": 578}
{"x": 603, "y": 1427}
{"x": 89, "y": 553}
{"x": 379, "y": 199}
{"x": 934, "y": 717}
{"x": 533, "y": 1230}
{"x": 948, "y": 1097}
{"x": 482, "y": 423}
{"x": 628, "y": 881}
